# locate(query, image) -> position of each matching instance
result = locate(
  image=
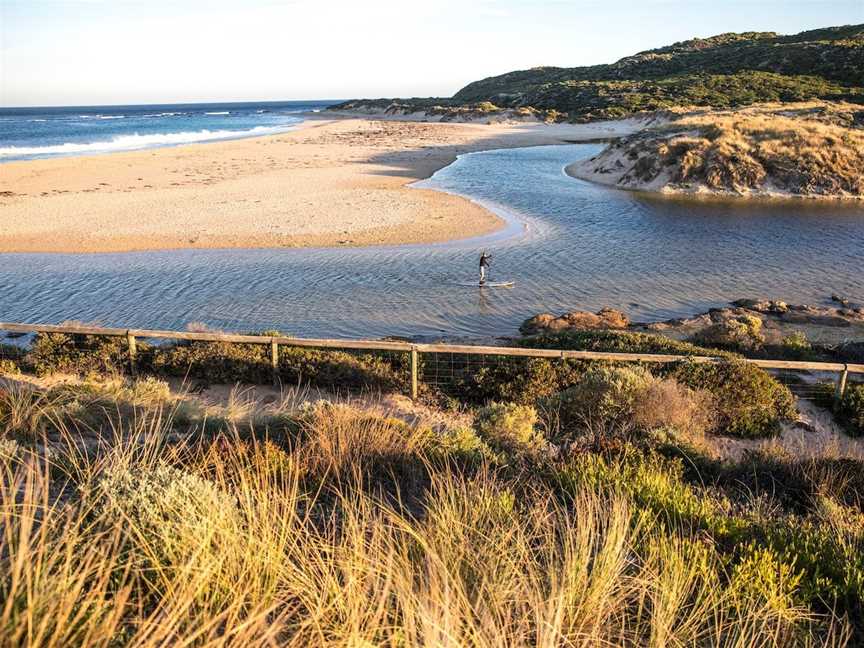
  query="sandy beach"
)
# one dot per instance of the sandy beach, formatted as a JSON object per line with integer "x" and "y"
{"x": 331, "y": 182}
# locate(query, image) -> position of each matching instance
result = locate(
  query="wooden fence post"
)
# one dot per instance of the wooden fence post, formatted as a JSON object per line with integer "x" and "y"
{"x": 274, "y": 361}
{"x": 414, "y": 371}
{"x": 133, "y": 353}
{"x": 841, "y": 386}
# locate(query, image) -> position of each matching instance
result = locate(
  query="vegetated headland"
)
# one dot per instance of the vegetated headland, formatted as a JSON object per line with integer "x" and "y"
{"x": 549, "y": 501}
{"x": 802, "y": 134}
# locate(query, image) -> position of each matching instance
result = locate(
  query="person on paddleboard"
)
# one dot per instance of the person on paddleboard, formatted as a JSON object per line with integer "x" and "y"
{"x": 484, "y": 266}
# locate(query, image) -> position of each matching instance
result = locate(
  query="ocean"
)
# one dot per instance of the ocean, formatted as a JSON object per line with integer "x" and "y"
{"x": 30, "y": 133}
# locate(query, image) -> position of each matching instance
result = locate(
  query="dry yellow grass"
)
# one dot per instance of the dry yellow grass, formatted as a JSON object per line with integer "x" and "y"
{"x": 352, "y": 531}
{"x": 813, "y": 149}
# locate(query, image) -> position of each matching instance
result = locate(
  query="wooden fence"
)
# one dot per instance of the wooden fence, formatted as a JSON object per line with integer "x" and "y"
{"x": 415, "y": 350}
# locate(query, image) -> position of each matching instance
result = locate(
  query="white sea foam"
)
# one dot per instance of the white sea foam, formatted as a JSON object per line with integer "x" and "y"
{"x": 136, "y": 141}
{"x": 102, "y": 116}
{"x": 222, "y": 112}
{"x": 37, "y": 120}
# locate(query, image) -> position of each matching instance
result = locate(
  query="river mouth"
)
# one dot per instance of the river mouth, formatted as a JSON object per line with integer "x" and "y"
{"x": 568, "y": 245}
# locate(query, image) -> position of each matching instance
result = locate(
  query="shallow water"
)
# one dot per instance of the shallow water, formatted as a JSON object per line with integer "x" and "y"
{"x": 585, "y": 247}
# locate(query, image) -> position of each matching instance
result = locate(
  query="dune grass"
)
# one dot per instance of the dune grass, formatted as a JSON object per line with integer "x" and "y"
{"x": 811, "y": 149}
{"x": 330, "y": 525}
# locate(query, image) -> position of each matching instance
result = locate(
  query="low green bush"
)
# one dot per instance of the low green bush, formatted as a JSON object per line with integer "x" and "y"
{"x": 220, "y": 362}
{"x": 750, "y": 402}
{"x": 603, "y": 398}
{"x": 619, "y": 342}
{"x": 796, "y": 346}
{"x": 517, "y": 380}
{"x": 656, "y": 484}
{"x": 216, "y": 362}
{"x": 460, "y": 443}
{"x": 11, "y": 359}
{"x": 850, "y": 409}
{"x": 828, "y": 553}
{"x": 817, "y": 555}
{"x": 165, "y": 507}
{"x": 78, "y": 354}
{"x": 509, "y": 426}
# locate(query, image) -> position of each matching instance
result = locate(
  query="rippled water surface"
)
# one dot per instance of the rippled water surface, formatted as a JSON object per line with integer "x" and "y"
{"x": 577, "y": 246}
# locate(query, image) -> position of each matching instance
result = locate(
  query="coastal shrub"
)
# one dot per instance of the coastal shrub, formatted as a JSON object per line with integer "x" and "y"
{"x": 462, "y": 442}
{"x": 220, "y": 362}
{"x": 343, "y": 370}
{"x": 167, "y": 510}
{"x": 827, "y": 550}
{"x": 78, "y": 354}
{"x": 750, "y": 402}
{"x": 850, "y": 409}
{"x": 228, "y": 540}
{"x": 216, "y": 362}
{"x": 11, "y": 359}
{"x": 664, "y": 404}
{"x": 9, "y": 367}
{"x": 742, "y": 332}
{"x": 517, "y": 380}
{"x": 619, "y": 342}
{"x": 762, "y": 577}
{"x": 509, "y": 426}
{"x": 602, "y": 399}
{"x": 796, "y": 346}
{"x": 657, "y": 484}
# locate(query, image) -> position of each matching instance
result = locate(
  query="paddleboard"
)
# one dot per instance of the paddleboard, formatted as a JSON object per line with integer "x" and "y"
{"x": 489, "y": 284}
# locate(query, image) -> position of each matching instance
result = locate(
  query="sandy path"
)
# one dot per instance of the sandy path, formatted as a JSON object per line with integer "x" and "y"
{"x": 331, "y": 182}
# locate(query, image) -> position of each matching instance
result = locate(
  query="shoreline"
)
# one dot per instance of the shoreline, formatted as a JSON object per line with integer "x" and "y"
{"x": 343, "y": 182}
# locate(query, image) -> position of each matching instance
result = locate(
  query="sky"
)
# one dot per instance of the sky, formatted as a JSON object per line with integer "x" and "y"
{"x": 94, "y": 52}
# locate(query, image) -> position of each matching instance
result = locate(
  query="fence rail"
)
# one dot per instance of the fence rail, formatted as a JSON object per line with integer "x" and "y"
{"x": 416, "y": 350}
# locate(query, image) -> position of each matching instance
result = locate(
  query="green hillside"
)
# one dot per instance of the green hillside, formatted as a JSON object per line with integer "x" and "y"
{"x": 728, "y": 70}
{"x": 725, "y": 70}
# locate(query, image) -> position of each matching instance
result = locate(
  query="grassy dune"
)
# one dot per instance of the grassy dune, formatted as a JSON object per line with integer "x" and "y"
{"x": 809, "y": 150}
{"x": 128, "y": 517}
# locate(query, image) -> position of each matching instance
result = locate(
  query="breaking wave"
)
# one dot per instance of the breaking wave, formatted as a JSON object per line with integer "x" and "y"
{"x": 136, "y": 141}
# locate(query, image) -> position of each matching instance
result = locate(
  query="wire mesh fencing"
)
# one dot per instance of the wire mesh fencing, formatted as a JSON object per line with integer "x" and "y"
{"x": 465, "y": 373}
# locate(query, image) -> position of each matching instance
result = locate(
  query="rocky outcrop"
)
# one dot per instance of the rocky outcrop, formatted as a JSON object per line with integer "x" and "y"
{"x": 606, "y": 318}
{"x": 745, "y": 323}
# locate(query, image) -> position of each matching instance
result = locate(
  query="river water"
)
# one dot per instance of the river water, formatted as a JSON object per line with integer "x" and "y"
{"x": 569, "y": 245}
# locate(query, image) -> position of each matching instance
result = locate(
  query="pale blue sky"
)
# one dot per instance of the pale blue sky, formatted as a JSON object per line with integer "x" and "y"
{"x": 68, "y": 52}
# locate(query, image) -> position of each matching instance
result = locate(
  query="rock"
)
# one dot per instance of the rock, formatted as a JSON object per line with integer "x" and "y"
{"x": 749, "y": 304}
{"x": 762, "y": 306}
{"x": 840, "y": 300}
{"x": 606, "y": 318}
{"x": 536, "y": 324}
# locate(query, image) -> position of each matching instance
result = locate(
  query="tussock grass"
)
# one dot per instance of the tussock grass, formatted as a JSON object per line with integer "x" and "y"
{"x": 795, "y": 149}
{"x": 344, "y": 527}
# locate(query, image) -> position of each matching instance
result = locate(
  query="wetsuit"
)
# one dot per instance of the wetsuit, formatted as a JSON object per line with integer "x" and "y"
{"x": 484, "y": 266}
